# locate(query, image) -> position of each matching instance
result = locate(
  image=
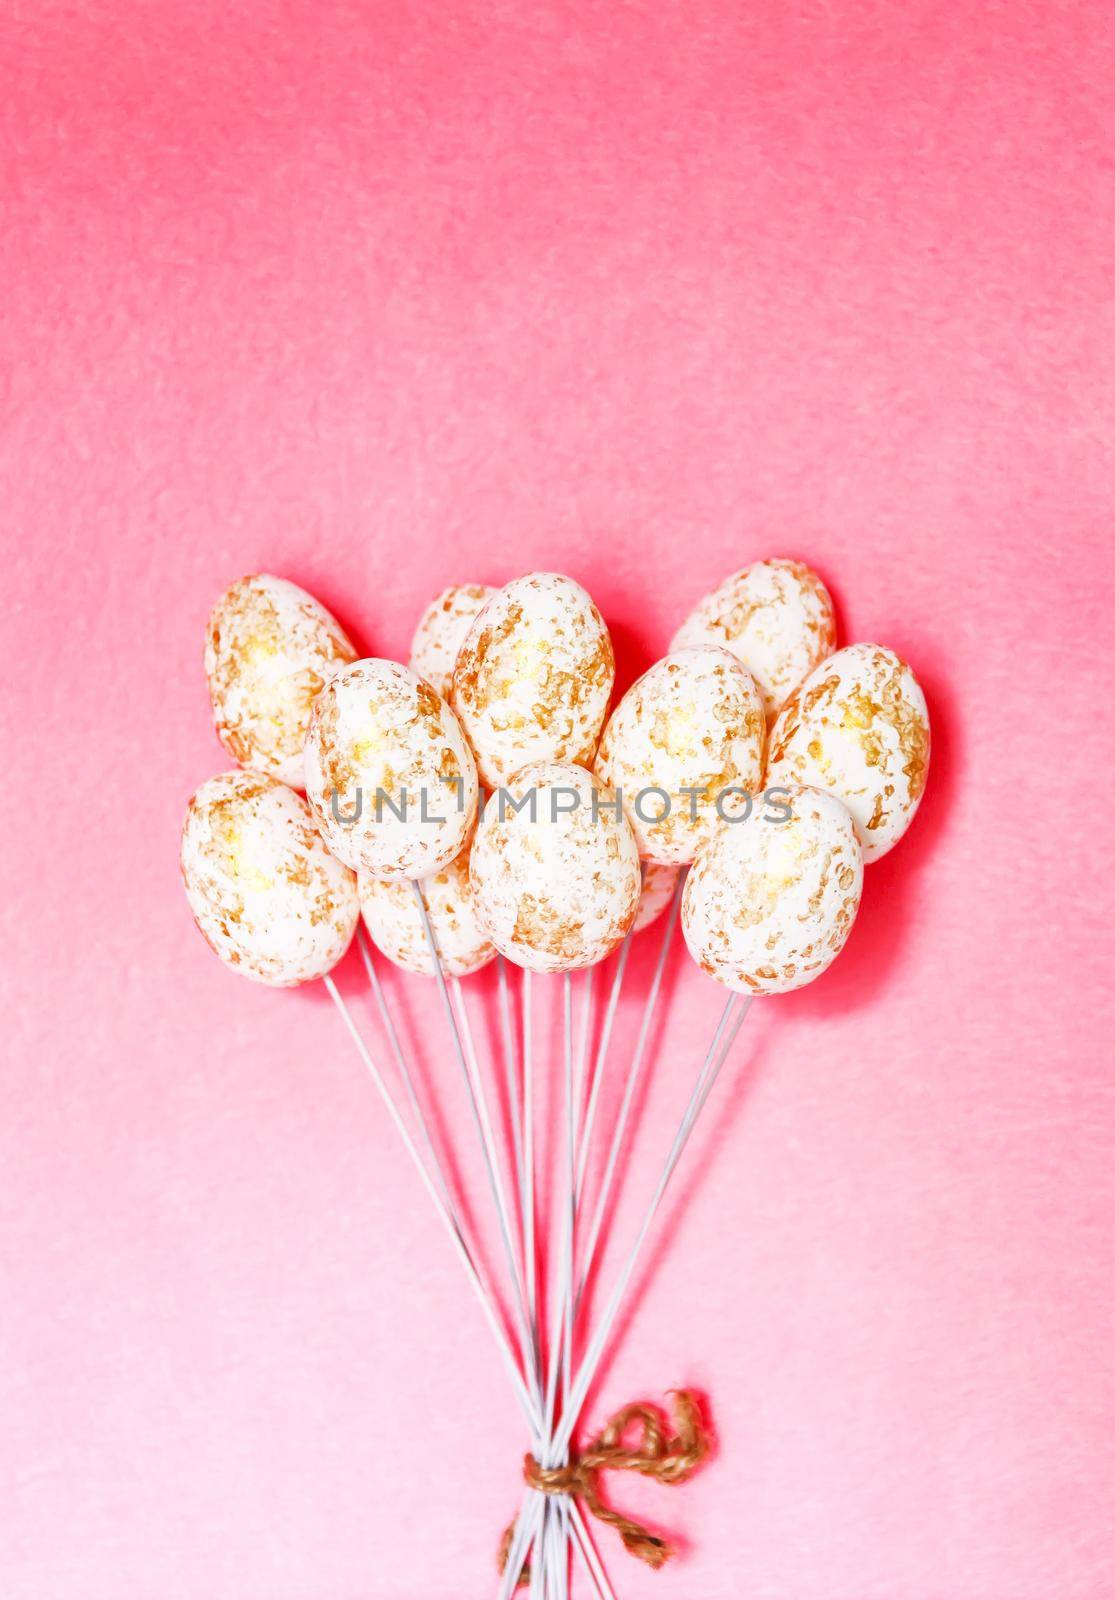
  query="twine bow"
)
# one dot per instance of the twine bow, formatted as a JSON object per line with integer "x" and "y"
{"x": 667, "y": 1458}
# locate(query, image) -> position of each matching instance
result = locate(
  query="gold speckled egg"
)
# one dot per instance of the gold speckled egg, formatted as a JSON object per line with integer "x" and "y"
{"x": 556, "y": 878}
{"x": 776, "y": 616}
{"x": 265, "y": 892}
{"x": 684, "y": 747}
{"x": 394, "y": 921}
{"x": 659, "y": 883}
{"x": 533, "y": 677}
{"x": 443, "y": 629}
{"x": 270, "y": 649}
{"x": 768, "y": 904}
{"x": 389, "y": 774}
{"x": 859, "y": 726}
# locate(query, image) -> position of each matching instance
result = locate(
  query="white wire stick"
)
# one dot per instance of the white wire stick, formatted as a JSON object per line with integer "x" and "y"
{"x": 515, "y": 1107}
{"x": 526, "y": 1527}
{"x": 587, "y": 990}
{"x": 557, "y": 1312}
{"x": 557, "y": 1558}
{"x": 588, "y": 1554}
{"x": 481, "y": 1129}
{"x": 528, "y": 1152}
{"x": 556, "y": 1534}
{"x": 571, "y": 1251}
{"x": 489, "y": 1141}
{"x": 572, "y": 1174}
{"x": 633, "y": 1074}
{"x": 514, "y": 1095}
{"x": 598, "y": 1068}
{"x": 539, "y": 1566}
{"x": 575, "y": 1102}
{"x": 545, "y": 1549}
{"x": 737, "y": 1024}
{"x": 697, "y": 1098}
{"x": 526, "y": 1400}
{"x": 562, "y": 1543}
{"x": 571, "y": 1101}
{"x": 550, "y": 1558}
{"x": 405, "y": 1073}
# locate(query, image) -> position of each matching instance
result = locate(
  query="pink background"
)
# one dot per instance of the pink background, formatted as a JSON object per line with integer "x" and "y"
{"x": 384, "y": 297}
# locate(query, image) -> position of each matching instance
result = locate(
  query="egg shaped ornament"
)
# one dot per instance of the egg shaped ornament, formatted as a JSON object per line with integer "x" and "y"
{"x": 684, "y": 749}
{"x": 858, "y": 726}
{"x": 533, "y": 677}
{"x": 443, "y": 629}
{"x": 555, "y": 869}
{"x": 769, "y": 902}
{"x": 393, "y": 920}
{"x": 775, "y": 616}
{"x": 389, "y": 773}
{"x": 659, "y": 884}
{"x": 268, "y": 897}
{"x": 270, "y": 649}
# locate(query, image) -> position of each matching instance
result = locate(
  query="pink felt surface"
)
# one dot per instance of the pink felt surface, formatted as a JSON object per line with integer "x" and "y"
{"x": 384, "y": 297}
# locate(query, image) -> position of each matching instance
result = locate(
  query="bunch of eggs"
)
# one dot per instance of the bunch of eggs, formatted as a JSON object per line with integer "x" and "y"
{"x": 488, "y": 773}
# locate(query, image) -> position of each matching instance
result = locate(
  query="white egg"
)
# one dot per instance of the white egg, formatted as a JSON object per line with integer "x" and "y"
{"x": 859, "y": 726}
{"x": 768, "y": 904}
{"x": 684, "y": 748}
{"x": 394, "y": 921}
{"x": 389, "y": 774}
{"x": 556, "y": 880}
{"x": 442, "y": 631}
{"x": 659, "y": 884}
{"x": 270, "y": 649}
{"x": 265, "y": 892}
{"x": 775, "y": 616}
{"x": 533, "y": 677}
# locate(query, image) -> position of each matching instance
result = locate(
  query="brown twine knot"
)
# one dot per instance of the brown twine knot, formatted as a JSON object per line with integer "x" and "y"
{"x": 667, "y": 1458}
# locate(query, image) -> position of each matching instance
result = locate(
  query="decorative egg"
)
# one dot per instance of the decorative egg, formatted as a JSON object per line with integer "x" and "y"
{"x": 270, "y": 649}
{"x": 768, "y": 903}
{"x": 555, "y": 869}
{"x": 442, "y": 631}
{"x": 533, "y": 677}
{"x": 389, "y": 773}
{"x": 265, "y": 892}
{"x": 684, "y": 749}
{"x": 393, "y": 920}
{"x": 859, "y": 726}
{"x": 659, "y": 883}
{"x": 775, "y": 616}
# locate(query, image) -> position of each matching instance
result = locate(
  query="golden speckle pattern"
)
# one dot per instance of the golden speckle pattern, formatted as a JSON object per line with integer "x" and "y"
{"x": 768, "y": 905}
{"x": 394, "y": 756}
{"x": 776, "y": 616}
{"x": 858, "y": 725}
{"x": 393, "y": 920}
{"x": 556, "y": 894}
{"x": 695, "y": 721}
{"x": 534, "y": 676}
{"x": 659, "y": 883}
{"x": 270, "y": 649}
{"x": 442, "y": 631}
{"x": 267, "y": 895}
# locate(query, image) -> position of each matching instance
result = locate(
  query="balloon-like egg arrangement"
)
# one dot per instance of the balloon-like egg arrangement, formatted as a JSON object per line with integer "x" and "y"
{"x": 480, "y": 806}
{"x": 509, "y": 688}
